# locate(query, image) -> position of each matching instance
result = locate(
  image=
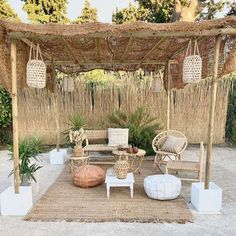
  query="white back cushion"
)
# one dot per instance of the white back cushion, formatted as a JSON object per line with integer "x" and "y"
{"x": 117, "y": 136}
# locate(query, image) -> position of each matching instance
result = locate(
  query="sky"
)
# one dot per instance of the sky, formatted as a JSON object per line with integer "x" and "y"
{"x": 105, "y": 8}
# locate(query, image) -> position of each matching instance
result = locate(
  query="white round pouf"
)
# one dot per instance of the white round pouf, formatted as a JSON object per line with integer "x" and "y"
{"x": 162, "y": 187}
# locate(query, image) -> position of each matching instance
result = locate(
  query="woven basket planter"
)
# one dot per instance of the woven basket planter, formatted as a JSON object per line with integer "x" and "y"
{"x": 192, "y": 66}
{"x": 36, "y": 71}
{"x": 121, "y": 168}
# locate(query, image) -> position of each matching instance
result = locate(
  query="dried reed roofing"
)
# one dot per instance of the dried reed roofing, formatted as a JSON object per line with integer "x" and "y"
{"x": 125, "y": 47}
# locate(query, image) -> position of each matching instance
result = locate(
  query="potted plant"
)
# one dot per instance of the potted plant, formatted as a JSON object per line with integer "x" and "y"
{"x": 29, "y": 149}
{"x": 77, "y": 137}
{"x": 76, "y": 121}
{"x": 19, "y": 203}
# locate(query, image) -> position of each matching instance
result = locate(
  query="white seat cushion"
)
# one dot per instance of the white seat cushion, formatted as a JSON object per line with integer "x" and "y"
{"x": 117, "y": 136}
{"x": 162, "y": 187}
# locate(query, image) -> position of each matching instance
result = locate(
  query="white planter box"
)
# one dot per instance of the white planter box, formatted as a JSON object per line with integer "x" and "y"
{"x": 16, "y": 204}
{"x": 58, "y": 158}
{"x": 206, "y": 200}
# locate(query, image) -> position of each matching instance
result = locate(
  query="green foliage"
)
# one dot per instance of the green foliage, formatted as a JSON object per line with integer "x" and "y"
{"x": 130, "y": 14}
{"x": 232, "y": 9}
{"x": 29, "y": 149}
{"x": 161, "y": 11}
{"x": 5, "y": 108}
{"x": 75, "y": 122}
{"x": 231, "y": 115}
{"x": 44, "y": 11}
{"x": 209, "y": 8}
{"x": 6, "y": 12}
{"x": 89, "y": 14}
{"x": 142, "y": 127}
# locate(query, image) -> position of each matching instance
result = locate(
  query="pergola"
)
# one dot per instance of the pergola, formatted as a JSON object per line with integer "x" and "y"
{"x": 118, "y": 47}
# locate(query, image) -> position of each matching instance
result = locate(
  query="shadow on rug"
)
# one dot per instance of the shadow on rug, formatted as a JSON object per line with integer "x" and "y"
{"x": 64, "y": 201}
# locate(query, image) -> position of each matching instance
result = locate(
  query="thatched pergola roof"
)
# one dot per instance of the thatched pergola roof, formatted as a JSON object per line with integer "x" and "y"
{"x": 118, "y": 47}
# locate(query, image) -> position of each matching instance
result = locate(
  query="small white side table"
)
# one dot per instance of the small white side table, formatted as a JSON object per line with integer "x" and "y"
{"x": 112, "y": 181}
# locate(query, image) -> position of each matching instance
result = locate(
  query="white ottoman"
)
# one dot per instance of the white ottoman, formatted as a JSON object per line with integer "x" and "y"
{"x": 162, "y": 187}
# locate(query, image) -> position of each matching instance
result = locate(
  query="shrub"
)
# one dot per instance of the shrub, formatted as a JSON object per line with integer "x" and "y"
{"x": 29, "y": 149}
{"x": 5, "y": 108}
{"x": 142, "y": 127}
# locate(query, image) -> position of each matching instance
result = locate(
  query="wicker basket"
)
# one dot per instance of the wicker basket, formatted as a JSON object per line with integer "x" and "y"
{"x": 192, "y": 68}
{"x": 121, "y": 167}
{"x": 36, "y": 70}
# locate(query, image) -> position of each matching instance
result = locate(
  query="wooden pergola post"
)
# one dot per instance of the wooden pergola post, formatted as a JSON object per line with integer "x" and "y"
{"x": 15, "y": 117}
{"x": 214, "y": 84}
{"x": 56, "y": 106}
{"x": 168, "y": 96}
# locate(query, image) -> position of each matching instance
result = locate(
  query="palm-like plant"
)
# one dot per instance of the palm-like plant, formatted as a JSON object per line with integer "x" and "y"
{"x": 76, "y": 122}
{"x": 142, "y": 127}
{"x": 29, "y": 149}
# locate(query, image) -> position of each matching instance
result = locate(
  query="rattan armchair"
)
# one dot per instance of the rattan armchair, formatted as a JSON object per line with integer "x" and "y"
{"x": 162, "y": 157}
{"x": 188, "y": 166}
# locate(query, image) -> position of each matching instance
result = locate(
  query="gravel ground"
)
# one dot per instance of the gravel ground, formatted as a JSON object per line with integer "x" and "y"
{"x": 223, "y": 173}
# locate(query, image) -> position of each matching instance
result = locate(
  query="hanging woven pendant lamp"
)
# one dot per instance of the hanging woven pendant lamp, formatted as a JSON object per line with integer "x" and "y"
{"x": 157, "y": 83}
{"x": 192, "y": 66}
{"x": 36, "y": 70}
{"x": 68, "y": 84}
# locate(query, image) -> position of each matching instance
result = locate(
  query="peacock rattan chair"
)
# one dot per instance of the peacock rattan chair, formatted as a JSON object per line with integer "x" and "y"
{"x": 162, "y": 157}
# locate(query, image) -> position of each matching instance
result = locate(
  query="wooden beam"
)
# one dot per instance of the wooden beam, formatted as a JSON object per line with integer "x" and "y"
{"x": 127, "y": 48}
{"x": 56, "y": 106}
{"x": 115, "y": 62}
{"x": 168, "y": 96}
{"x": 98, "y": 49}
{"x": 139, "y": 33}
{"x": 15, "y": 117}
{"x": 29, "y": 43}
{"x": 71, "y": 51}
{"x": 214, "y": 83}
{"x": 152, "y": 49}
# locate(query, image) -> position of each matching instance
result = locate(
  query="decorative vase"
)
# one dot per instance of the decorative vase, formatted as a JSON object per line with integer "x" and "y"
{"x": 78, "y": 151}
{"x": 121, "y": 168}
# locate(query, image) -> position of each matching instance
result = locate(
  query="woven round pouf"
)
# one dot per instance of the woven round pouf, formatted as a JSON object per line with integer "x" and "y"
{"x": 88, "y": 176}
{"x": 162, "y": 187}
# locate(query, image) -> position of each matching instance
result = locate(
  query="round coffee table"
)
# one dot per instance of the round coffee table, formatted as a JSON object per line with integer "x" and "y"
{"x": 135, "y": 159}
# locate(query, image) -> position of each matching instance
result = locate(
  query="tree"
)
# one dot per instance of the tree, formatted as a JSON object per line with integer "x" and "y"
{"x": 6, "y": 12}
{"x": 130, "y": 14}
{"x": 45, "y": 11}
{"x": 209, "y": 8}
{"x": 232, "y": 10}
{"x": 89, "y": 14}
{"x": 161, "y": 11}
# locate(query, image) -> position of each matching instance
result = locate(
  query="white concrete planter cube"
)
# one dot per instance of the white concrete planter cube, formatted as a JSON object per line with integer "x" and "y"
{"x": 16, "y": 204}
{"x": 206, "y": 200}
{"x": 58, "y": 158}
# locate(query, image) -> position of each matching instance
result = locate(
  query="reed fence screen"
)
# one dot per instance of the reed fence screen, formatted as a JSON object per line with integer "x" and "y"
{"x": 189, "y": 108}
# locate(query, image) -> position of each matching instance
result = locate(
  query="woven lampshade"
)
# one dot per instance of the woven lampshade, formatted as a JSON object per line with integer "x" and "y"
{"x": 192, "y": 66}
{"x": 68, "y": 84}
{"x": 36, "y": 70}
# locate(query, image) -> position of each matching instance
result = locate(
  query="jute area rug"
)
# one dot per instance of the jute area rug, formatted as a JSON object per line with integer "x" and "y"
{"x": 65, "y": 202}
